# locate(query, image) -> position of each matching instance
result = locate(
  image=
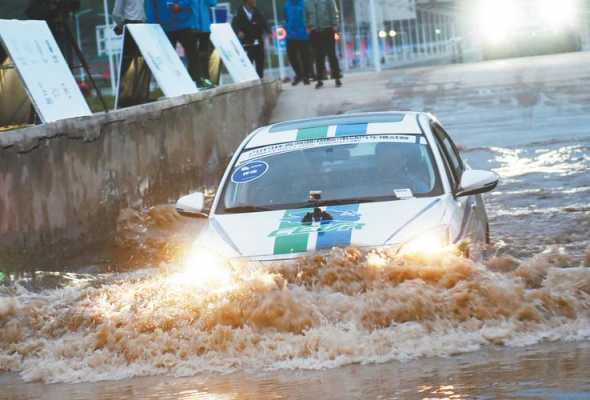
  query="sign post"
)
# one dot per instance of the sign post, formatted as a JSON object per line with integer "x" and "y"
{"x": 109, "y": 52}
{"x": 279, "y": 50}
{"x": 43, "y": 70}
{"x": 232, "y": 53}
{"x": 374, "y": 39}
{"x": 161, "y": 58}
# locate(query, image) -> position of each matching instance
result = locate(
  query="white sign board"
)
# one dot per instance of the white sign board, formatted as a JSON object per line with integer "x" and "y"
{"x": 386, "y": 10}
{"x": 162, "y": 59}
{"x": 43, "y": 70}
{"x": 115, "y": 45}
{"x": 232, "y": 53}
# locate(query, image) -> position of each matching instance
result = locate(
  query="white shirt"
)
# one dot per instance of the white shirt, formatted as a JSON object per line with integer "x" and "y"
{"x": 132, "y": 10}
{"x": 249, "y": 14}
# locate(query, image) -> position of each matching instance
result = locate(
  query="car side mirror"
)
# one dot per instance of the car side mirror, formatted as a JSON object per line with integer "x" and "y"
{"x": 476, "y": 181}
{"x": 192, "y": 206}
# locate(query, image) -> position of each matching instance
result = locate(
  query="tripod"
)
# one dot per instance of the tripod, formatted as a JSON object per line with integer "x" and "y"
{"x": 74, "y": 44}
{"x": 57, "y": 14}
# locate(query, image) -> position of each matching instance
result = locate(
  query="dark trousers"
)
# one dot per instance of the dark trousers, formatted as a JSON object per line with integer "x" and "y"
{"x": 188, "y": 39}
{"x": 256, "y": 55}
{"x": 324, "y": 45}
{"x": 300, "y": 58}
{"x": 204, "y": 48}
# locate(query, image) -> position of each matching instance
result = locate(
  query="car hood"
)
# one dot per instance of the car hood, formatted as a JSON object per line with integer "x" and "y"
{"x": 283, "y": 233}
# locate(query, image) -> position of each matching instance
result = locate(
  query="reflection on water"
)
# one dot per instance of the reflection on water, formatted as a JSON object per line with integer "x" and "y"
{"x": 560, "y": 161}
{"x": 542, "y": 200}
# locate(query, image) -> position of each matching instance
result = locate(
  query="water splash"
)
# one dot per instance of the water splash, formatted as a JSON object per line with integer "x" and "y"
{"x": 319, "y": 312}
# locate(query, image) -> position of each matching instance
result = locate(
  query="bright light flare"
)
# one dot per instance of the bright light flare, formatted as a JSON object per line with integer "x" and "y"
{"x": 557, "y": 13}
{"x": 204, "y": 268}
{"x": 497, "y": 19}
{"x": 428, "y": 244}
{"x": 376, "y": 260}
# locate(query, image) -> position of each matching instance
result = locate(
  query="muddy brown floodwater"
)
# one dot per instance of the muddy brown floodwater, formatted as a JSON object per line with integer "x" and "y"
{"x": 548, "y": 371}
{"x": 354, "y": 324}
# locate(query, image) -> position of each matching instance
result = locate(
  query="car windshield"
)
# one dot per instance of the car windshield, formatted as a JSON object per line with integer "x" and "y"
{"x": 330, "y": 171}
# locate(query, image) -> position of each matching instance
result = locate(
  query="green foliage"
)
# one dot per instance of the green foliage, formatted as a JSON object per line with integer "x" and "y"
{"x": 96, "y": 106}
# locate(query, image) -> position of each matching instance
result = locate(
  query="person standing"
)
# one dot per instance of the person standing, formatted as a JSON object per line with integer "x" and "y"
{"x": 322, "y": 19}
{"x": 127, "y": 12}
{"x": 298, "y": 41}
{"x": 178, "y": 19}
{"x": 250, "y": 26}
{"x": 203, "y": 43}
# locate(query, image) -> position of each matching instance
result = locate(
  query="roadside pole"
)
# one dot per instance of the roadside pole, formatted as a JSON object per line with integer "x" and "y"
{"x": 343, "y": 37}
{"x": 276, "y": 41}
{"x": 362, "y": 60}
{"x": 108, "y": 47}
{"x": 374, "y": 38}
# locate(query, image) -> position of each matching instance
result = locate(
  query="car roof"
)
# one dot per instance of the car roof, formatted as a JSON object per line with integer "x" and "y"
{"x": 377, "y": 123}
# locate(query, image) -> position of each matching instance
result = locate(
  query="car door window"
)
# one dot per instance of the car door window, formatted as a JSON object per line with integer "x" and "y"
{"x": 451, "y": 153}
{"x": 446, "y": 163}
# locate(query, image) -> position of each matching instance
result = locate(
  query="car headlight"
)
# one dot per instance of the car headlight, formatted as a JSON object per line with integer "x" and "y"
{"x": 433, "y": 241}
{"x": 204, "y": 267}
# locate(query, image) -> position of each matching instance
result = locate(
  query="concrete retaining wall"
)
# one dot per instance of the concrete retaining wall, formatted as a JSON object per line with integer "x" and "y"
{"x": 62, "y": 185}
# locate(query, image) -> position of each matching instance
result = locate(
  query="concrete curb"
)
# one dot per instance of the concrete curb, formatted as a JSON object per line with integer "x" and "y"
{"x": 64, "y": 184}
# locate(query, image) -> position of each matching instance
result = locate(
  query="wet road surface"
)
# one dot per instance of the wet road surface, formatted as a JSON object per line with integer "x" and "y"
{"x": 517, "y": 327}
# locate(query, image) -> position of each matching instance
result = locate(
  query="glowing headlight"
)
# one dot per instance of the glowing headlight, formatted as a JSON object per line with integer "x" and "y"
{"x": 203, "y": 267}
{"x": 430, "y": 242}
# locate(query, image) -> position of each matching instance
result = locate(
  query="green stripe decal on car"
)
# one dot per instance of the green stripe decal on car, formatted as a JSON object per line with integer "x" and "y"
{"x": 312, "y": 133}
{"x": 291, "y": 236}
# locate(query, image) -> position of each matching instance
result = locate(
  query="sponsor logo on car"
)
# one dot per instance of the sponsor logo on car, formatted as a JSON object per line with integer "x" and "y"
{"x": 294, "y": 235}
{"x": 306, "y": 229}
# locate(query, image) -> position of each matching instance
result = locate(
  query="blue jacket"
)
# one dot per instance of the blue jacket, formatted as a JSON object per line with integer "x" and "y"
{"x": 295, "y": 20}
{"x": 194, "y": 14}
{"x": 202, "y": 11}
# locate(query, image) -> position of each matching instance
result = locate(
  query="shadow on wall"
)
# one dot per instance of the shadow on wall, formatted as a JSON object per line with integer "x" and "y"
{"x": 63, "y": 185}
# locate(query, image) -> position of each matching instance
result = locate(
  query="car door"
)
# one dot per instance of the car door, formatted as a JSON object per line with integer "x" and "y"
{"x": 471, "y": 214}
